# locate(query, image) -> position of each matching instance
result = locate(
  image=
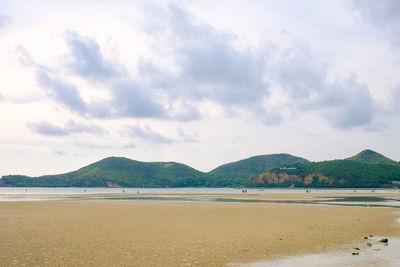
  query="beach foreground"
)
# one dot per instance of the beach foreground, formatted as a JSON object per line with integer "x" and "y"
{"x": 166, "y": 233}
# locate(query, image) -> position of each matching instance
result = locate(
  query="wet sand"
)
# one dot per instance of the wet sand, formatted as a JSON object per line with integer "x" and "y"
{"x": 376, "y": 254}
{"x": 261, "y": 195}
{"x": 288, "y": 196}
{"x": 166, "y": 233}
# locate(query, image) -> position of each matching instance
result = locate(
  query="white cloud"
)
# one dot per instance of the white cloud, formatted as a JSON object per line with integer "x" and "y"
{"x": 384, "y": 14}
{"x": 231, "y": 79}
{"x": 49, "y": 129}
{"x": 148, "y": 134}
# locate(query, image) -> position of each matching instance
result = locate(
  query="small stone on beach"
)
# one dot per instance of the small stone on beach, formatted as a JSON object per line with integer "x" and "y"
{"x": 384, "y": 240}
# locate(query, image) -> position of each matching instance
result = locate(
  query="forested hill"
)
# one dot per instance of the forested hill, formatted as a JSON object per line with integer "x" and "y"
{"x": 243, "y": 170}
{"x": 116, "y": 172}
{"x": 334, "y": 173}
{"x": 370, "y": 156}
{"x": 366, "y": 169}
{"x": 124, "y": 172}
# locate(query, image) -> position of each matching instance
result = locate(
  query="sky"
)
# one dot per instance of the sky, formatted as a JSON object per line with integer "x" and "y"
{"x": 198, "y": 82}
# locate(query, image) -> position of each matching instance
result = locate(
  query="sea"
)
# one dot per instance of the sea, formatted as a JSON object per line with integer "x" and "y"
{"x": 208, "y": 194}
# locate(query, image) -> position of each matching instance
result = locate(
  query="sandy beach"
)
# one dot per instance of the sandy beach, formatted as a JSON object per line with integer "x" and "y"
{"x": 167, "y": 233}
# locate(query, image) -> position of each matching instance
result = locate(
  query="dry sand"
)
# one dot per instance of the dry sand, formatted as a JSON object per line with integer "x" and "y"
{"x": 164, "y": 233}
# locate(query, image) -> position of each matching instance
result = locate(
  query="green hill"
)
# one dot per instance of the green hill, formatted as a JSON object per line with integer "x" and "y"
{"x": 116, "y": 171}
{"x": 244, "y": 170}
{"x": 366, "y": 169}
{"x": 371, "y": 157}
{"x": 334, "y": 173}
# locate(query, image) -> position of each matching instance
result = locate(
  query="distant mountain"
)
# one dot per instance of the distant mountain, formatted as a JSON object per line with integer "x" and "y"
{"x": 371, "y": 157}
{"x": 243, "y": 170}
{"x": 366, "y": 169}
{"x": 116, "y": 172}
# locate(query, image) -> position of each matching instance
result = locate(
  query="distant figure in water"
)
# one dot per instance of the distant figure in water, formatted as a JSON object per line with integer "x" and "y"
{"x": 84, "y": 190}
{"x": 123, "y": 191}
{"x": 138, "y": 191}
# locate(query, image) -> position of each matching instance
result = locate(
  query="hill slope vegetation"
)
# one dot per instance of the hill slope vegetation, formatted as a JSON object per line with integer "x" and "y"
{"x": 334, "y": 173}
{"x": 366, "y": 169}
{"x": 115, "y": 172}
{"x": 370, "y": 156}
{"x": 243, "y": 170}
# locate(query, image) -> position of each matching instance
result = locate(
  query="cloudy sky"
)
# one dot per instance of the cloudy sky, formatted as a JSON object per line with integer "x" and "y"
{"x": 199, "y": 82}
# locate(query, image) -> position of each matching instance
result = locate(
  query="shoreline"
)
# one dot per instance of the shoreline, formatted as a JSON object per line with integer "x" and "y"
{"x": 16, "y": 194}
{"x": 168, "y": 233}
{"x": 356, "y": 254}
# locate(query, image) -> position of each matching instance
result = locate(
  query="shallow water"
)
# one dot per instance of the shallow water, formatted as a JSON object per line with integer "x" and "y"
{"x": 198, "y": 194}
{"x": 189, "y": 190}
{"x": 377, "y": 255}
{"x": 347, "y": 201}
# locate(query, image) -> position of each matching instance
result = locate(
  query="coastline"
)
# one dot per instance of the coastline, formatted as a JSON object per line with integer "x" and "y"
{"x": 374, "y": 254}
